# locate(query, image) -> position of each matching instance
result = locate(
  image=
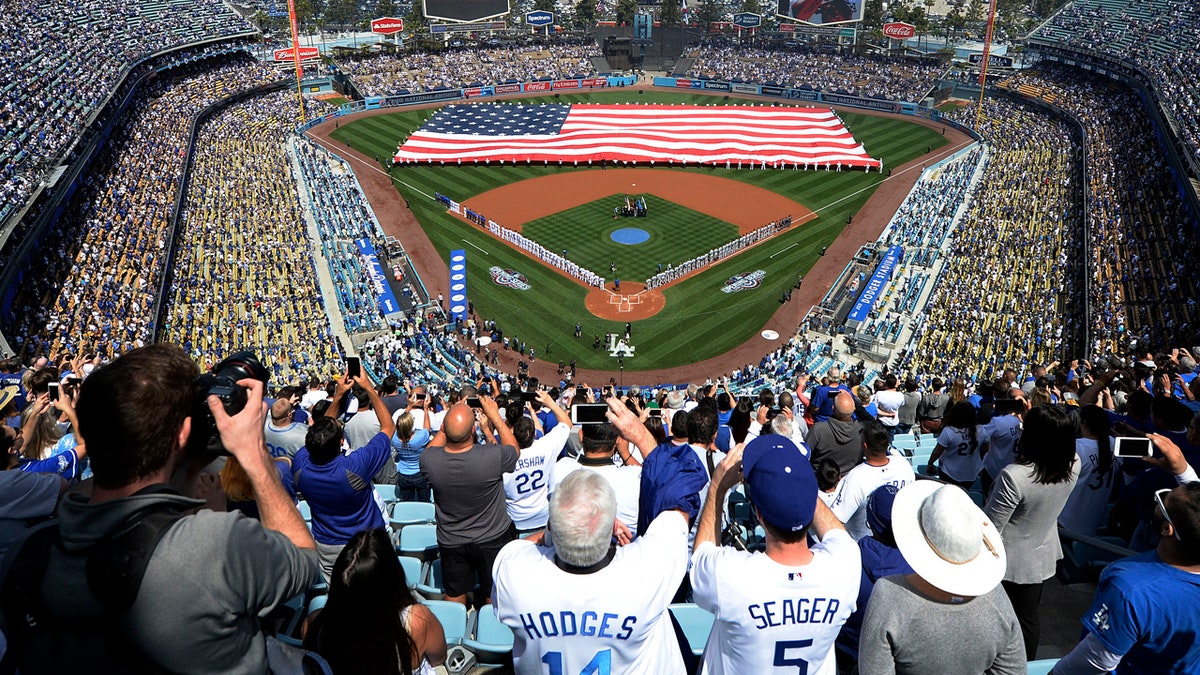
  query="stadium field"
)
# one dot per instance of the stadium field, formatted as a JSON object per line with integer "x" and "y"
{"x": 698, "y": 321}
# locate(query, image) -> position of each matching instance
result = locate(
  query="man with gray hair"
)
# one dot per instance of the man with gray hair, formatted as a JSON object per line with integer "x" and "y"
{"x": 558, "y": 598}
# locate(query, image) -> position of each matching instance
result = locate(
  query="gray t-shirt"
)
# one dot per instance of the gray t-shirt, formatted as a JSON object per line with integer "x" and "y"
{"x": 906, "y": 632}
{"x": 468, "y": 492}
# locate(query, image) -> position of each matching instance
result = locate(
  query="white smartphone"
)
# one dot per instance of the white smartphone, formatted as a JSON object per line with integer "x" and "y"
{"x": 589, "y": 413}
{"x": 1132, "y": 446}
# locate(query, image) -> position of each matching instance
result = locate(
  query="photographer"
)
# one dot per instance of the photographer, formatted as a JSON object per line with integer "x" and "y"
{"x": 194, "y": 602}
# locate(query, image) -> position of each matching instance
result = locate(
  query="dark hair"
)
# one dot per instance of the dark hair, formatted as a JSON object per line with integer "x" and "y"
{"x": 363, "y": 398}
{"x": 962, "y": 415}
{"x": 679, "y": 424}
{"x": 1047, "y": 444}
{"x": 1095, "y": 419}
{"x": 890, "y": 381}
{"x": 389, "y": 385}
{"x": 936, "y": 384}
{"x": 361, "y": 629}
{"x": 323, "y": 440}
{"x": 786, "y": 401}
{"x": 739, "y": 420}
{"x": 875, "y": 438}
{"x": 39, "y": 381}
{"x": 723, "y": 402}
{"x": 1185, "y": 514}
{"x": 524, "y": 431}
{"x": 702, "y": 425}
{"x": 599, "y": 437}
{"x": 655, "y": 426}
{"x": 130, "y": 413}
{"x": 766, "y": 398}
{"x": 828, "y": 473}
{"x": 320, "y": 408}
{"x": 910, "y": 385}
{"x": 789, "y": 537}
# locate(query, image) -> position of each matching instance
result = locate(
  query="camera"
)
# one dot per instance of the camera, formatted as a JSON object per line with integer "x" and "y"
{"x": 222, "y": 382}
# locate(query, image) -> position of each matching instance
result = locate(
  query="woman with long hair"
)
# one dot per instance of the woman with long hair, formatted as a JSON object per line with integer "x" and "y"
{"x": 1086, "y": 507}
{"x": 960, "y": 446}
{"x": 371, "y": 622}
{"x": 1025, "y": 504}
{"x": 407, "y": 445}
{"x": 740, "y": 418}
{"x": 958, "y": 392}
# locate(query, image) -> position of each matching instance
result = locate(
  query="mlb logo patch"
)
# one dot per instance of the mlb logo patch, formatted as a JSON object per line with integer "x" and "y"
{"x": 509, "y": 278}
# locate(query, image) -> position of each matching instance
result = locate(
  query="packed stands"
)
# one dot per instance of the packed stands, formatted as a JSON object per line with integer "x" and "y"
{"x": 1142, "y": 233}
{"x": 244, "y": 274}
{"x": 1161, "y": 37}
{"x": 53, "y": 89}
{"x": 92, "y": 286}
{"x": 386, "y": 75}
{"x": 897, "y": 79}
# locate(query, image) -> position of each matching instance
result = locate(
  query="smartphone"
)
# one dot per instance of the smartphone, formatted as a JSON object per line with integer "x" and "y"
{"x": 473, "y": 402}
{"x": 529, "y": 396}
{"x": 53, "y": 389}
{"x": 353, "y": 367}
{"x": 589, "y": 413}
{"x": 1132, "y": 446}
{"x": 1004, "y": 406}
{"x": 420, "y": 397}
{"x": 656, "y": 412}
{"x": 74, "y": 381}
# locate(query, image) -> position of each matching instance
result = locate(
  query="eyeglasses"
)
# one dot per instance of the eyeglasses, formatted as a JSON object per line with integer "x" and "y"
{"x": 1159, "y": 496}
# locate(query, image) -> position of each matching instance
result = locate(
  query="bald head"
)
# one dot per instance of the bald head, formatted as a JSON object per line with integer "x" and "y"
{"x": 459, "y": 424}
{"x": 843, "y": 405}
{"x": 281, "y": 410}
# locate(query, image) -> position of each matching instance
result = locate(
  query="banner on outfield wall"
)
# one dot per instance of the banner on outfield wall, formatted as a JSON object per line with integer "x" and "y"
{"x": 378, "y": 281}
{"x": 874, "y": 287}
{"x": 458, "y": 285}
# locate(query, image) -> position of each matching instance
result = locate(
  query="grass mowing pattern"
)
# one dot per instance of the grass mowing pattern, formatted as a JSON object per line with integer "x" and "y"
{"x": 677, "y": 234}
{"x": 699, "y": 321}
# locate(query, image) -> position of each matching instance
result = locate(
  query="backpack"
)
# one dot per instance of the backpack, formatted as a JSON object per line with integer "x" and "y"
{"x": 87, "y": 637}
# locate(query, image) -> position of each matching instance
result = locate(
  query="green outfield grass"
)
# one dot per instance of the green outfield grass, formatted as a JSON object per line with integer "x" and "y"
{"x": 677, "y": 234}
{"x": 699, "y": 321}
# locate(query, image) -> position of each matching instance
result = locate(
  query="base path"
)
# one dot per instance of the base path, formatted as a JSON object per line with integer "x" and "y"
{"x": 742, "y": 204}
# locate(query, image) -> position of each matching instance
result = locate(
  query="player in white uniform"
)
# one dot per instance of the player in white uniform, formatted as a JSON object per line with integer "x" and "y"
{"x": 879, "y": 468}
{"x": 584, "y": 605}
{"x": 778, "y": 611}
{"x": 527, "y": 487}
{"x": 599, "y": 444}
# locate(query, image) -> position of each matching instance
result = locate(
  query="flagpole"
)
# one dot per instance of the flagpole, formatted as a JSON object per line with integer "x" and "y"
{"x": 296, "y": 57}
{"x": 987, "y": 49}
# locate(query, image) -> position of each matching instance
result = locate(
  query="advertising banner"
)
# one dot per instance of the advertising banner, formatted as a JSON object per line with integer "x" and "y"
{"x": 566, "y": 84}
{"x": 537, "y": 86}
{"x": 821, "y": 12}
{"x": 387, "y": 25}
{"x": 539, "y": 18}
{"x": 376, "y": 278}
{"x": 458, "y": 285}
{"x": 898, "y": 30}
{"x": 874, "y": 287}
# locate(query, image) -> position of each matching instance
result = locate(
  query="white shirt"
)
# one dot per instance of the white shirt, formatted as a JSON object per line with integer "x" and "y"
{"x": 626, "y": 482}
{"x": 889, "y": 400}
{"x": 527, "y": 487}
{"x": 760, "y": 604}
{"x": 850, "y": 502}
{"x": 1003, "y": 431}
{"x": 961, "y": 460}
{"x": 311, "y": 397}
{"x": 615, "y": 616}
{"x": 1088, "y": 504}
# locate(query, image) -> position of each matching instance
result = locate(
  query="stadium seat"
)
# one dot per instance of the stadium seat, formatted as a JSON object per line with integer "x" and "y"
{"x": 1041, "y": 667}
{"x": 429, "y": 582}
{"x": 411, "y": 513}
{"x": 305, "y": 511}
{"x": 452, "y": 616}
{"x": 493, "y": 641}
{"x": 412, "y": 570}
{"x": 386, "y": 492}
{"x": 316, "y": 604}
{"x": 418, "y": 541}
{"x": 696, "y": 624}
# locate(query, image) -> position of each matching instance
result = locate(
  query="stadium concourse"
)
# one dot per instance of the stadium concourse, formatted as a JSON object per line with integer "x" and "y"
{"x": 1041, "y": 271}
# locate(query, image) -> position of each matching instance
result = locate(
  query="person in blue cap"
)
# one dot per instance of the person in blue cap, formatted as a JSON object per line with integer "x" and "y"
{"x": 783, "y": 607}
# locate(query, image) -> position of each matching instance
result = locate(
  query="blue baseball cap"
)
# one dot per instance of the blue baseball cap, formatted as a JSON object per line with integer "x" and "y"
{"x": 879, "y": 510}
{"x": 780, "y": 482}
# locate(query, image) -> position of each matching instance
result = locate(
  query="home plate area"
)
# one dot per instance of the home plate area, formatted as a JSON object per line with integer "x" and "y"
{"x": 625, "y": 303}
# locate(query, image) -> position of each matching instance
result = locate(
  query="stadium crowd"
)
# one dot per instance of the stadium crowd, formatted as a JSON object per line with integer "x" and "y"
{"x": 879, "y": 77}
{"x": 51, "y": 94}
{"x": 1158, "y": 37}
{"x": 91, "y": 288}
{"x": 244, "y": 274}
{"x": 386, "y": 75}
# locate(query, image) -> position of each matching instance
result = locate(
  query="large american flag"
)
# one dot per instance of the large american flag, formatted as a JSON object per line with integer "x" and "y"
{"x": 635, "y": 133}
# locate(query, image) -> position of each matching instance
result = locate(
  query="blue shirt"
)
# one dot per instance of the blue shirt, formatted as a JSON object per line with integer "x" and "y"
{"x": 1146, "y": 610}
{"x": 408, "y": 455}
{"x": 340, "y": 492}
{"x": 822, "y": 401}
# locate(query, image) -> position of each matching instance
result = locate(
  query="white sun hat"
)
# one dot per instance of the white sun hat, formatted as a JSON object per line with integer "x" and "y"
{"x": 947, "y": 539}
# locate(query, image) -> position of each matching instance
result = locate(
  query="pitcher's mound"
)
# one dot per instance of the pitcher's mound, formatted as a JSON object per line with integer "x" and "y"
{"x": 631, "y": 304}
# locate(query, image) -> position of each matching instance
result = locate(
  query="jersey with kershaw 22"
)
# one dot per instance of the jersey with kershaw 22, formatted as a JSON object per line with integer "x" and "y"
{"x": 772, "y": 618}
{"x": 526, "y": 488}
{"x": 611, "y": 621}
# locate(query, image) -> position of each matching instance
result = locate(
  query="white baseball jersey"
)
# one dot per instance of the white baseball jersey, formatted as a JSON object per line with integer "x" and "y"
{"x": 626, "y": 482}
{"x": 611, "y": 621}
{"x": 850, "y": 504}
{"x": 961, "y": 460}
{"x": 771, "y": 618}
{"x": 1087, "y": 506}
{"x": 527, "y": 487}
{"x": 1003, "y": 431}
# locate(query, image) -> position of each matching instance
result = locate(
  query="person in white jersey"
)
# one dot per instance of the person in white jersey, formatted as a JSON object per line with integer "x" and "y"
{"x": 599, "y": 445}
{"x": 1087, "y": 507}
{"x": 582, "y": 605}
{"x": 781, "y": 610}
{"x": 527, "y": 487}
{"x": 879, "y": 468}
{"x": 1004, "y": 430}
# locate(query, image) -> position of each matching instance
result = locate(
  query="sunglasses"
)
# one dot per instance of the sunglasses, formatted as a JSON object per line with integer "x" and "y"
{"x": 1159, "y": 496}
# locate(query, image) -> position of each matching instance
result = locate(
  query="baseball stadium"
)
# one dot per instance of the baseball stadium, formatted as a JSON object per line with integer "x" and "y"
{"x": 888, "y": 300}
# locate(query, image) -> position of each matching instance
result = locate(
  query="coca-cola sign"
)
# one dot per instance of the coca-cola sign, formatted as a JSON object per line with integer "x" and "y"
{"x": 387, "y": 25}
{"x": 899, "y": 31}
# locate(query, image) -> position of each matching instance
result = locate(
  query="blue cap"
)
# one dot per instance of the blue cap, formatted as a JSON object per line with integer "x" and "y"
{"x": 879, "y": 510}
{"x": 780, "y": 482}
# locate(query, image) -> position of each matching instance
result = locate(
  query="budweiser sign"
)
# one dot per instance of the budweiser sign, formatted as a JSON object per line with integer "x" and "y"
{"x": 387, "y": 25}
{"x": 306, "y": 53}
{"x": 899, "y": 31}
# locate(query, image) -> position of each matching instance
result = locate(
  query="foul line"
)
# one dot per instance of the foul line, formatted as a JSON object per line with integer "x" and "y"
{"x": 474, "y": 246}
{"x": 780, "y": 252}
{"x": 370, "y": 165}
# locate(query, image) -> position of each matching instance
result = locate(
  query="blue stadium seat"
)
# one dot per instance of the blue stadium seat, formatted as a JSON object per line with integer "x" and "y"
{"x": 412, "y": 570}
{"x": 493, "y": 641}
{"x": 418, "y": 541}
{"x": 1041, "y": 667}
{"x": 386, "y": 492}
{"x": 453, "y": 618}
{"x": 305, "y": 511}
{"x": 696, "y": 624}
{"x": 411, "y": 513}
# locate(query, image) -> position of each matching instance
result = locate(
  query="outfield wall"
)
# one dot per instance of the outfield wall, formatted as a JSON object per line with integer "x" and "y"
{"x": 791, "y": 94}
